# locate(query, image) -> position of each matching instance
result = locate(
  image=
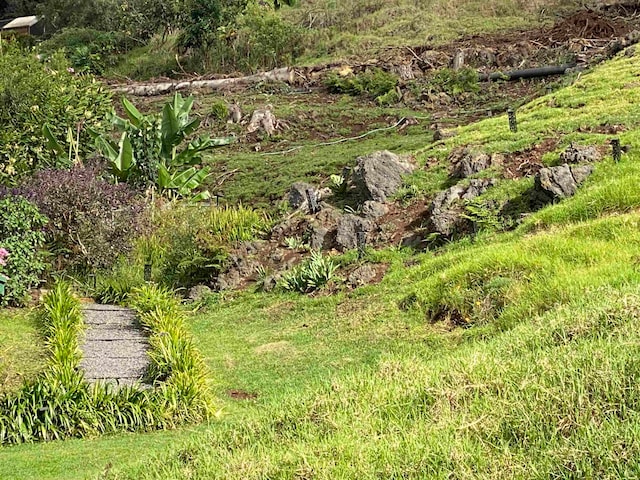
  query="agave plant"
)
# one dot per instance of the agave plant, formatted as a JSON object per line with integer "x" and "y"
{"x": 151, "y": 151}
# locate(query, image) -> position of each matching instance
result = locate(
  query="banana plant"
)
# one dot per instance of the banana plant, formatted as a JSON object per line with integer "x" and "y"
{"x": 120, "y": 156}
{"x": 159, "y": 140}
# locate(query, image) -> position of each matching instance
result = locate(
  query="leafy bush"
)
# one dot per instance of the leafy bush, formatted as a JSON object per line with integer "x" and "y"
{"x": 88, "y": 50}
{"x": 455, "y": 82}
{"x": 33, "y": 93}
{"x": 310, "y": 276}
{"x": 21, "y": 235}
{"x": 373, "y": 83}
{"x": 147, "y": 154}
{"x": 191, "y": 243}
{"x": 244, "y": 36}
{"x": 91, "y": 220}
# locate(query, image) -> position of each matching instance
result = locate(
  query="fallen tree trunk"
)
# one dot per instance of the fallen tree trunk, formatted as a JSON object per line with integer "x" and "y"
{"x": 149, "y": 89}
{"x": 528, "y": 73}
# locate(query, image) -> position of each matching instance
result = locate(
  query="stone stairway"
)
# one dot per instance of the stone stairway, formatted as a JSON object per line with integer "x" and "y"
{"x": 114, "y": 347}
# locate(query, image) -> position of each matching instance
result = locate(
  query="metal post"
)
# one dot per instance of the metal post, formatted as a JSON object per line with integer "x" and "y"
{"x": 513, "y": 121}
{"x": 617, "y": 151}
{"x": 312, "y": 202}
{"x": 361, "y": 239}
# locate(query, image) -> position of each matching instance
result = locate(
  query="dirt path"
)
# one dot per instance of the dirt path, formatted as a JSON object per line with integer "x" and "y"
{"x": 114, "y": 347}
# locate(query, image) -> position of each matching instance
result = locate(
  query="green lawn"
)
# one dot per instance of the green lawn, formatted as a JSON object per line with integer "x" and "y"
{"x": 21, "y": 349}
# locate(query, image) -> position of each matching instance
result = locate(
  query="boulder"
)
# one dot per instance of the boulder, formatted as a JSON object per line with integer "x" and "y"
{"x": 445, "y": 211}
{"x": 362, "y": 276}
{"x": 319, "y": 238}
{"x": 198, "y": 293}
{"x": 374, "y": 210}
{"x": 466, "y": 162}
{"x": 580, "y": 154}
{"x": 348, "y": 228}
{"x": 379, "y": 175}
{"x": 298, "y": 194}
{"x": 228, "y": 281}
{"x": 563, "y": 181}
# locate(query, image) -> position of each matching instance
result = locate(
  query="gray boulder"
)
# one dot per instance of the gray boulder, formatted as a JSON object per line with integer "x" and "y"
{"x": 298, "y": 194}
{"x": 445, "y": 211}
{"x": 466, "y": 162}
{"x": 580, "y": 154}
{"x": 348, "y": 228}
{"x": 563, "y": 181}
{"x": 374, "y": 210}
{"x": 198, "y": 293}
{"x": 379, "y": 175}
{"x": 319, "y": 237}
{"x": 362, "y": 276}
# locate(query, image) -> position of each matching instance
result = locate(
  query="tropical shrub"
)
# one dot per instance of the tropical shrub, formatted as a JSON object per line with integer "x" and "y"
{"x": 87, "y": 49}
{"x": 22, "y": 239}
{"x": 33, "y": 93}
{"x": 148, "y": 153}
{"x": 310, "y": 276}
{"x": 91, "y": 221}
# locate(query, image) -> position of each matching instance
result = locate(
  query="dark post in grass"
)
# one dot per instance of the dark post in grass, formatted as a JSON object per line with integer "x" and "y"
{"x": 513, "y": 121}
{"x": 147, "y": 271}
{"x": 361, "y": 240}
{"x": 617, "y": 151}
{"x": 218, "y": 196}
{"x": 312, "y": 201}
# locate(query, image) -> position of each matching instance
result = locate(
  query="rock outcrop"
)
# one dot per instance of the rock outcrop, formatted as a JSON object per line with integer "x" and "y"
{"x": 466, "y": 162}
{"x": 580, "y": 154}
{"x": 379, "y": 175}
{"x": 561, "y": 182}
{"x": 446, "y": 209}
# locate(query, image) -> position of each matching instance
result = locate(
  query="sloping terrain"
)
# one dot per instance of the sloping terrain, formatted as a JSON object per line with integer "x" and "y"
{"x": 509, "y": 353}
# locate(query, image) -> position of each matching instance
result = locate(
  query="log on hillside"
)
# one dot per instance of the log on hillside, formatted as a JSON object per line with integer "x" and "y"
{"x": 528, "y": 73}
{"x": 150, "y": 89}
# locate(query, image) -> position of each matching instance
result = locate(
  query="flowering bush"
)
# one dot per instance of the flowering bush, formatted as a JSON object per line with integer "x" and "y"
{"x": 3, "y": 257}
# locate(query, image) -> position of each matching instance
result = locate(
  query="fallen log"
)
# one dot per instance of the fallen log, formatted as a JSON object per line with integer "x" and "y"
{"x": 527, "y": 73}
{"x": 150, "y": 89}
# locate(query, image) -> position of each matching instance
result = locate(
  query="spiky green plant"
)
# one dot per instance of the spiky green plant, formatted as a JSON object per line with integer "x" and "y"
{"x": 311, "y": 275}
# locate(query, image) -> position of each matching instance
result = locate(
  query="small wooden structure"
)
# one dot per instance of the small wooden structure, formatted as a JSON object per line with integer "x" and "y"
{"x": 31, "y": 25}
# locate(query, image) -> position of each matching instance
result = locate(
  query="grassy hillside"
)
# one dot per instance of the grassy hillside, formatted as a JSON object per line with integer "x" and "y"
{"x": 360, "y": 27}
{"x": 509, "y": 355}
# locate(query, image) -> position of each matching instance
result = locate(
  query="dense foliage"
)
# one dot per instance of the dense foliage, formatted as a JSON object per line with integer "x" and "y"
{"x": 87, "y": 49}
{"x": 21, "y": 235}
{"x": 33, "y": 93}
{"x": 91, "y": 221}
{"x": 190, "y": 243}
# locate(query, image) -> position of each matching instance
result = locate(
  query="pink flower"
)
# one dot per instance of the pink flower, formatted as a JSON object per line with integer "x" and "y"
{"x": 3, "y": 256}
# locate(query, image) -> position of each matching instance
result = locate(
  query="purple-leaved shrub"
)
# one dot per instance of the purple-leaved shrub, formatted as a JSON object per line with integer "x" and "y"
{"x": 91, "y": 221}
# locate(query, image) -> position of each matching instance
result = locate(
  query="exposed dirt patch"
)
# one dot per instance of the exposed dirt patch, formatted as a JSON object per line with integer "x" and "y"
{"x": 241, "y": 395}
{"x": 528, "y": 162}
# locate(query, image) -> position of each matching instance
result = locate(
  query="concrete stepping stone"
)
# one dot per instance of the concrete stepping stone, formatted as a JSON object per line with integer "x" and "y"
{"x": 114, "y": 347}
